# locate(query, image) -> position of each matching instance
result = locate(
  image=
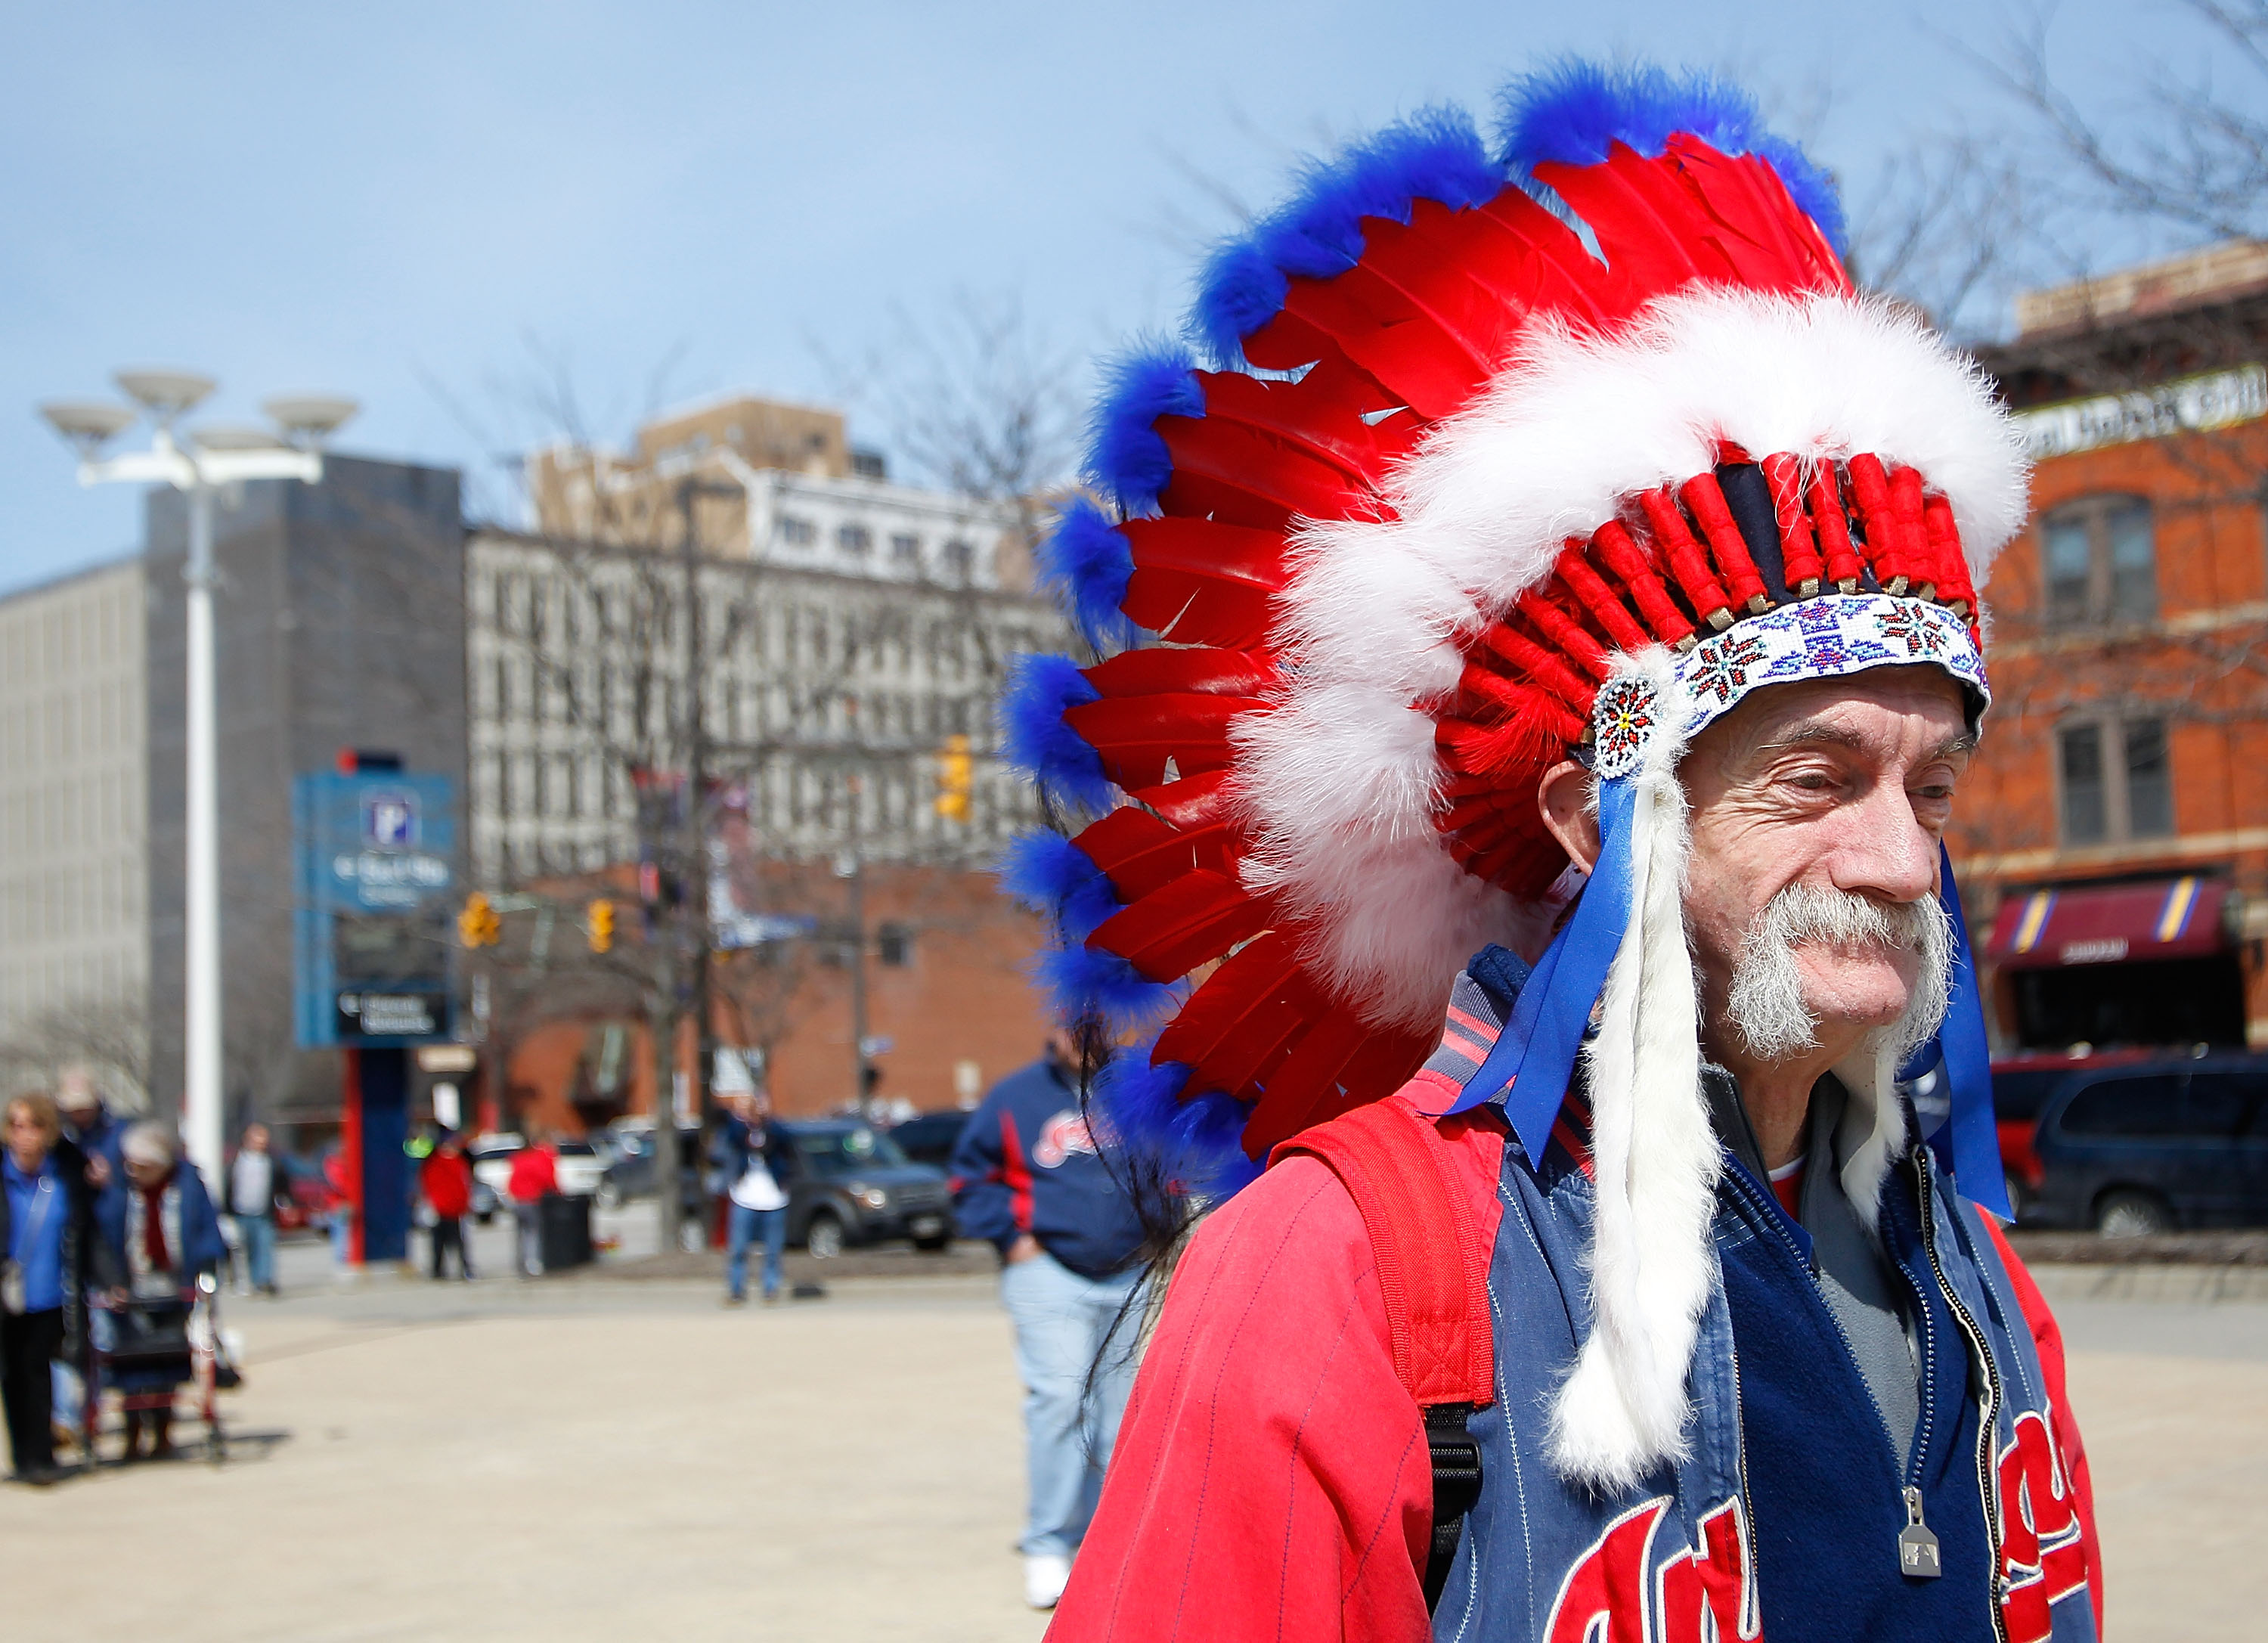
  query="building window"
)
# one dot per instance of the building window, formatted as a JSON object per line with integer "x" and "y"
{"x": 2099, "y": 558}
{"x": 855, "y": 540}
{"x": 2116, "y": 781}
{"x": 905, "y": 548}
{"x": 893, "y": 945}
{"x": 959, "y": 560}
{"x": 796, "y": 533}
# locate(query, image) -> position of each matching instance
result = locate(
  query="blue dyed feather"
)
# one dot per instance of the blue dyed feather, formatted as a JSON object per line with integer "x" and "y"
{"x": 1125, "y": 454}
{"x": 1036, "y": 740}
{"x": 1196, "y": 1143}
{"x": 1047, "y": 872}
{"x": 1083, "y": 981}
{"x": 1086, "y": 563}
{"x": 1570, "y": 112}
{"x": 1435, "y": 154}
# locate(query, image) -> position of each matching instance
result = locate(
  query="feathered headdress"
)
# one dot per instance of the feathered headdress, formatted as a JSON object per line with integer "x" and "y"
{"x": 1504, "y": 456}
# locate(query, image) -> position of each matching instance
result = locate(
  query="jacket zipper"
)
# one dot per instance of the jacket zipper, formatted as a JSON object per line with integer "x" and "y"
{"x": 1911, "y": 1479}
{"x": 1921, "y": 1443}
{"x": 1988, "y": 1475}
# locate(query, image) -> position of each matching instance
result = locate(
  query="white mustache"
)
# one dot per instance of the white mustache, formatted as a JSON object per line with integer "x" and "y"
{"x": 1766, "y": 1003}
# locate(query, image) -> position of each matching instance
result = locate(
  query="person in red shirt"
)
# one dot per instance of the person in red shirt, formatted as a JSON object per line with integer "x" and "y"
{"x": 534, "y": 1176}
{"x": 446, "y": 1178}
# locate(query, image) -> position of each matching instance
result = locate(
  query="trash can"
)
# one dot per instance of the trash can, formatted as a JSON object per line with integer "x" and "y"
{"x": 563, "y": 1231}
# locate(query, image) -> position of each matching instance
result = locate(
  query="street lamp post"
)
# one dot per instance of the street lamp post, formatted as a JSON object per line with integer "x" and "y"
{"x": 197, "y": 463}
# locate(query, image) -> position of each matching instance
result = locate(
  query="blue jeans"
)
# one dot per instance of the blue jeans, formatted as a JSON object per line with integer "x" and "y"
{"x": 743, "y": 1229}
{"x": 259, "y": 1235}
{"x": 1075, "y": 1352}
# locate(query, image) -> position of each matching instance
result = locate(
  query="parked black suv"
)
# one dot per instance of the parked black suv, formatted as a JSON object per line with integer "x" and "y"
{"x": 853, "y": 1186}
{"x": 2146, "y": 1146}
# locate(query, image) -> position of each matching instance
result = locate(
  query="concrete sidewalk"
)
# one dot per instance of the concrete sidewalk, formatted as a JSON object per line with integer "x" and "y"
{"x": 575, "y": 1460}
{"x": 625, "y": 1462}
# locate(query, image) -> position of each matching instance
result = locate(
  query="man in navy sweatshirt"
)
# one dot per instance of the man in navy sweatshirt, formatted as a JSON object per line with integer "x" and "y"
{"x": 1028, "y": 1178}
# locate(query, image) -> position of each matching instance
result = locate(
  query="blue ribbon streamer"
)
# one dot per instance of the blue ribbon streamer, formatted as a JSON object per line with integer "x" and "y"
{"x": 1968, "y": 1143}
{"x": 1534, "y": 1055}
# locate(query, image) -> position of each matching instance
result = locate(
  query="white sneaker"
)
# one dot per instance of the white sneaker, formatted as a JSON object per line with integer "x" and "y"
{"x": 1046, "y": 1574}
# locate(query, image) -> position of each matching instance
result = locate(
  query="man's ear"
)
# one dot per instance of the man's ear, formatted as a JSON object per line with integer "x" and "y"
{"x": 1564, "y": 797}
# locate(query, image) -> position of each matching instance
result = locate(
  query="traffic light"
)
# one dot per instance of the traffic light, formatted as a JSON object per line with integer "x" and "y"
{"x": 479, "y": 924}
{"x": 956, "y": 770}
{"x": 601, "y": 925}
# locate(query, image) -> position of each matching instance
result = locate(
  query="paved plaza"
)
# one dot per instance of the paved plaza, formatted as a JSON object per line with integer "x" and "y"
{"x": 610, "y": 1458}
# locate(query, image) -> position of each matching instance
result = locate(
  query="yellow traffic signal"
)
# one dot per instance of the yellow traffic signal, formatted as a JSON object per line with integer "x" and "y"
{"x": 479, "y": 924}
{"x": 601, "y": 925}
{"x": 956, "y": 772}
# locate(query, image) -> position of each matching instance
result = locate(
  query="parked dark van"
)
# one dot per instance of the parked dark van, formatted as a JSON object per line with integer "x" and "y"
{"x": 2022, "y": 1085}
{"x": 2154, "y": 1146}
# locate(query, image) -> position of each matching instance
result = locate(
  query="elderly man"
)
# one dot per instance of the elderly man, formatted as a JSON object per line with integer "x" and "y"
{"x": 1584, "y": 593}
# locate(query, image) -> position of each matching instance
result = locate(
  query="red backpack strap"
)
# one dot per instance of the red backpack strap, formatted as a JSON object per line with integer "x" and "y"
{"x": 1433, "y": 1271}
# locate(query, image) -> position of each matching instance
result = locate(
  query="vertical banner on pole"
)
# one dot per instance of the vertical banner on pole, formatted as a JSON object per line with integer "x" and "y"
{"x": 384, "y": 1160}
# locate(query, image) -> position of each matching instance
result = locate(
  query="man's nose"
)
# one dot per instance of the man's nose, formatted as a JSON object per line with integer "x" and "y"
{"x": 1883, "y": 850}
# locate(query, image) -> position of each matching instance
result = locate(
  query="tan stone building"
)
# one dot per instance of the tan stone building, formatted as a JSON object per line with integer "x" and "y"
{"x": 74, "y": 813}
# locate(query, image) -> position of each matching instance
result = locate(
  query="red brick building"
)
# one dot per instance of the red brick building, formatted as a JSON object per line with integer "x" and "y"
{"x": 947, "y": 994}
{"x": 2113, "y": 842}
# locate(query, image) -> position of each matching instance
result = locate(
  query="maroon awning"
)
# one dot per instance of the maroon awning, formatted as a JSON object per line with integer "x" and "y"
{"x": 2114, "y": 923}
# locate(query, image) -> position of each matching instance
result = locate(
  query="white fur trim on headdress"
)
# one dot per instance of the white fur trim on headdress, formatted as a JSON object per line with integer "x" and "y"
{"x": 1340, "y": 783}
{"x": 1654, "y": 1156}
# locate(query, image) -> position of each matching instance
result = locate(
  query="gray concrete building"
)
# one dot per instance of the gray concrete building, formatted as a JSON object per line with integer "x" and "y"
{"x": 339, "y": 622}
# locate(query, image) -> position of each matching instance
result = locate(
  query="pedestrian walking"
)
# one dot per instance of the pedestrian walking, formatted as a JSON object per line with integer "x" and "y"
{"x": 535, "y": 1176}
{"x": 1556, "y": 915}
{"x": 446, "y": 1178}
{"x": 52, "y": 1254}
{"x": 168, "y": 1235}
{"x": 756, "y": 1162}
{"x": 1031, "y": 1181}
{"x": 257, "y": 1185}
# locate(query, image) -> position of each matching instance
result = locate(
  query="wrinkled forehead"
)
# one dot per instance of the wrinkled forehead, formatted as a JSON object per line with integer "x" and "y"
{"x": 1915, "y": 711}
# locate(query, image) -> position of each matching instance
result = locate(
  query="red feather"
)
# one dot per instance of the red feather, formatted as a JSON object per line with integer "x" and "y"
{"x": 1243, "y": 1018}
{"x": 1186, "y": 922}
{"x": 1201, "y": 669}
{"x": 1139, "y": 736}
{"x": 1194, "y": 801}
{"x": 1142, "y": 852}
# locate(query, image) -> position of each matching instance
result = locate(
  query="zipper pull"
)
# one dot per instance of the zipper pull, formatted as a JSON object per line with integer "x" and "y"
{"x": 1918, "y": 1544}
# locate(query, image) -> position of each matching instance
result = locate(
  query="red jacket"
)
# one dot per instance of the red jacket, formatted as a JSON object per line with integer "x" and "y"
{"x": 446, "y": 1181}
{"x": 534, "y": 1173}
{"x": 1271, "y": 1481}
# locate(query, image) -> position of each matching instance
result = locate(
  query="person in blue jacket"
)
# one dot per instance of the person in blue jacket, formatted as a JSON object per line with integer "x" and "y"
{"x": 1027, "y": 1178}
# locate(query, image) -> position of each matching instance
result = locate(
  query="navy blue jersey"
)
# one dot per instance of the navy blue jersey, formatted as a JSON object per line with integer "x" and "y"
{"x": 1025, "y": 1163}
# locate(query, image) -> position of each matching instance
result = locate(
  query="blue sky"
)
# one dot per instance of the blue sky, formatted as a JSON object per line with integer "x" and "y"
{"x": 411, "y": 205}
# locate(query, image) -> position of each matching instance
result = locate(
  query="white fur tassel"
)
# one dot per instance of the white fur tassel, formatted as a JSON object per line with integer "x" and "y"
{"x": 1624, "y": 1408}
{"x": 1873, "y": 1134}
